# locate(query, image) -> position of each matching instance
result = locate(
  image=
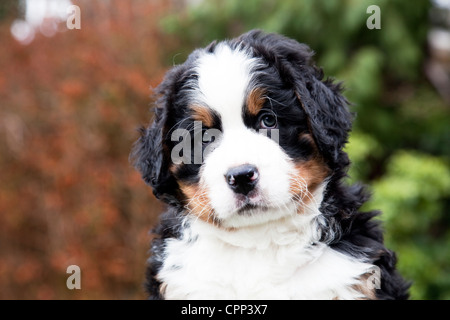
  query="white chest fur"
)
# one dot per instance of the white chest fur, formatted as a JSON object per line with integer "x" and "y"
{"x": 276, "y": 260}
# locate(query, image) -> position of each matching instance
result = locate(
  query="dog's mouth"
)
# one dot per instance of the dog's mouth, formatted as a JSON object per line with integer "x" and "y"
{"x": 250, "y": 203}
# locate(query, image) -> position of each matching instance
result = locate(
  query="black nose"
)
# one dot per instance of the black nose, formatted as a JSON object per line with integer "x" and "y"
{"x": 242, "y": 179}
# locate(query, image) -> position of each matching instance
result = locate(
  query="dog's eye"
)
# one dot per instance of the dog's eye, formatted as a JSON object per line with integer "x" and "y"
{"x": 207, "y": 138}
{"x": 211, "y": 135}
{"x": 268, "y": 121}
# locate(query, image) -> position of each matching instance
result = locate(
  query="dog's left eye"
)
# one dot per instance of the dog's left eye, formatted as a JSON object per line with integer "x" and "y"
{"x": 268, "y": 121}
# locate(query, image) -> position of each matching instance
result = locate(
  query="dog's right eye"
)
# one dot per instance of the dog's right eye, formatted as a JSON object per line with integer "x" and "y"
{"x": 268, "y": 121}
{"x": 207, "y": 137}
{"x": 211, "y": 135}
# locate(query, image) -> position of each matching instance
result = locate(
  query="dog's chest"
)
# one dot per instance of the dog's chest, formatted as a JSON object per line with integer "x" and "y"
{"x": 254, "y": 265}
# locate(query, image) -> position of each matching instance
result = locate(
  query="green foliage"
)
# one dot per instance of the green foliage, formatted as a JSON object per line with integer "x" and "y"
{"x": 401, "y": 138}
{"x": 416, "y": 221}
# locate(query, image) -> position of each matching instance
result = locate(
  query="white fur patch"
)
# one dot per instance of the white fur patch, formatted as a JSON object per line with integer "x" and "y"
{"x": 277, "y": 260}
{"x": 224, "y": 78}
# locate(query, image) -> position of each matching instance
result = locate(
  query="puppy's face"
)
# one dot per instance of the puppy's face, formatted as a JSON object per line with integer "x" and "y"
{"x": 237, "y": 145}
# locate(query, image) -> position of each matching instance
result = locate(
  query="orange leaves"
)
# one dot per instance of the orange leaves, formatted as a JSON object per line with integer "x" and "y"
{"x": 70, "y": 106}
{"x": 136, "y": 80}
{"x": 73, "y": 89}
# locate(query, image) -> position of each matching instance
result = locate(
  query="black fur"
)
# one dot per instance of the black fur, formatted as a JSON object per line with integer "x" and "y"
{"x": 321, "y": 111}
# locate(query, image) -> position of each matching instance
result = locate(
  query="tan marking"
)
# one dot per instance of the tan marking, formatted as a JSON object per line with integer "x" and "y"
{"x": 255, "y": 101}
{"x": 307, "y": 178}
{"x": 174, "y": 168}
{"x": 203, "y": 114}
{"x": 162, "y": 288}
{"x": 308, "y": 137}
{"x": 366, "y": 287}
{"x": 310, "y": 173}
{"x": 198, "y": 202}
{"x": 363, "y": 287}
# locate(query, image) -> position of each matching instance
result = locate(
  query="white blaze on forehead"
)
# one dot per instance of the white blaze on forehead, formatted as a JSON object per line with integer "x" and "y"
{"x": 223, "y": 79}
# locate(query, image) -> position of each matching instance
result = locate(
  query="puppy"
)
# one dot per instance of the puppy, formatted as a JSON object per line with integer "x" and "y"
{"x": 246, "y": 150}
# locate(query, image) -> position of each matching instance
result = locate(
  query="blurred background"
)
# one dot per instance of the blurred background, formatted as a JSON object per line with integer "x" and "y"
{"x": 71, "y": 101}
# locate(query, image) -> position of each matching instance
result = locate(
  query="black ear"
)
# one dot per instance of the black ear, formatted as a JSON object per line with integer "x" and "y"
{"x": 147, "y": 154}
{"x": 329, "y": 118}
{"x": 150, "y": 154}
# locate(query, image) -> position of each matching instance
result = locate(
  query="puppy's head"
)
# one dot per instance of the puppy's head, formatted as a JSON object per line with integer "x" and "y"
{"x": 245, "y": 131}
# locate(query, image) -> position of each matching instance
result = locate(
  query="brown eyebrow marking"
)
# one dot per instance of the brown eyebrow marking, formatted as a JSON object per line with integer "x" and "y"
{"x": 255, "y": 101}
{"x": 203, "y": 114}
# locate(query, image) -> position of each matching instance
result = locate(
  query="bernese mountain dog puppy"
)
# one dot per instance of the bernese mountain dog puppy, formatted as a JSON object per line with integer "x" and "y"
{"x": 246, "y": 150}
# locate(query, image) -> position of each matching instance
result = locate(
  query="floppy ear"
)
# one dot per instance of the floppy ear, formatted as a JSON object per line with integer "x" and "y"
{"x": 329, "y": 119}
{"x": 149, "y": 155}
